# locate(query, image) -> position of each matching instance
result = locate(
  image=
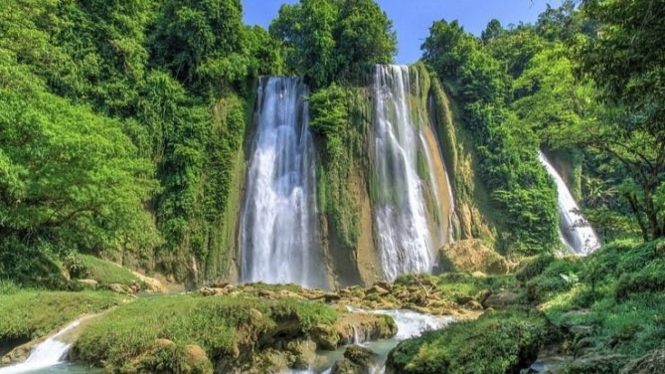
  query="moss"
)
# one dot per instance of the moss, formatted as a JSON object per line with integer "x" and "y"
{"x": 228, "y": 329}
{"x": 497, "y": 343}
{"x": 338, "y": 119}
{"x": 32, "y": 314}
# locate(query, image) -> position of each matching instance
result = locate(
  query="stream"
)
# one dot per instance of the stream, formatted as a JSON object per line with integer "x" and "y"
{"x": 48, "y": 356}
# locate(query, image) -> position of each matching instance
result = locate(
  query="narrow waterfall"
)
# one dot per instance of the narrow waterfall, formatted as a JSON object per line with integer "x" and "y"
{"x": 574, "y": 230}
{"x": 279, "y": 224}
{"x": 410, "y": 228}
{"x": 50, "y": 352}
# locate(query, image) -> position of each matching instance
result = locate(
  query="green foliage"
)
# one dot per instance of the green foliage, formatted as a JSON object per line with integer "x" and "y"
{"x": 218, "y": 325}
{"x": 523, "y": 192}
{"x": 620, "y": 291}
{"x": 498, "y": 342}
{"x": 532, "y": 268}
{"x": 198, "y": 40}
{"x": 32, "y": 314}
{"x": 627, "y": 66}
{"x": 71, "y": 179}
{"x": 79, "y": 80}
{"x": 327, "y": 40}
{"x": 337, "y": 118}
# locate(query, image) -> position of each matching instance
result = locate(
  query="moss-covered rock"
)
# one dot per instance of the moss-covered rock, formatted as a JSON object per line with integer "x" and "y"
{"x": 357, "y": 360}
{"x": 240, "y": 334}
{"x": 652, "y": 363}
{"x": 470, "y": 256}
{"x": 497, "y": 343}
{"x": 596, "y": 364}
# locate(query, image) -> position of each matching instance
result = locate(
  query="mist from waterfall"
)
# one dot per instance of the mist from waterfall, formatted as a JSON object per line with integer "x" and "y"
{"x": 407, "y": 242}
{"x": 279, "y": 222}
{"x": 574, "y": 230}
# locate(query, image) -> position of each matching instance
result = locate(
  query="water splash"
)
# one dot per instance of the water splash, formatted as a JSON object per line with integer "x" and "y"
{"x": 279, "y": 224}
{"x": 574, "y": 231}
{"x": 50, "y": 352}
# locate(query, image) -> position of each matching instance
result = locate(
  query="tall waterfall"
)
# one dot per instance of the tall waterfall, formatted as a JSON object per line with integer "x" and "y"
{"x": 407, "y": 238}
{"x": 279, "y": 224}
{"x": 574, "y": 230}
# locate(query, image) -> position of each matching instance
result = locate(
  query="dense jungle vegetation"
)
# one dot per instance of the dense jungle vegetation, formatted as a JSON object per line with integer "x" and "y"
{"x": 122, "y": 123}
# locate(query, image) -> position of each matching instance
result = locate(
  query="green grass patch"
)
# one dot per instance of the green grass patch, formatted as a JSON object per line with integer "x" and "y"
{"x": 31, "y": 314}
{"x": 105, "y": 272}
{"x": 225, "y": 328}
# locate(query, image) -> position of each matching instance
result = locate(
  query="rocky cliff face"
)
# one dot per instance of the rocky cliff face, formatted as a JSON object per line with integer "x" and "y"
{"x": 349, "y": 189}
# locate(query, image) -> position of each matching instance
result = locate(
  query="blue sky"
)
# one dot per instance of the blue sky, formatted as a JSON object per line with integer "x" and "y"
{"x": 412, "y": 18}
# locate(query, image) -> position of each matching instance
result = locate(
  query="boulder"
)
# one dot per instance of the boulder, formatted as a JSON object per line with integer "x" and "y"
{"x": 357, "y": 360}
{"x": 470, "y": 256}
{"x": 196, "y": 357}
{"x": 88, "y": 283}
{"x": 209, "y": 291}
{"x": 151, "y": 284}
{"x": 501, "y": 300}
{"x": 376, "y": 289}
{"x": 652, "y": 363}
{"x": 303, "y": 353}
{"x": 118, "y": 288}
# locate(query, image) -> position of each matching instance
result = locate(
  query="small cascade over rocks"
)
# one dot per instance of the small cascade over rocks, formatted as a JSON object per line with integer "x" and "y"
{"x": 279, "y": 222}
{"x": 50, "y": 352}
{"x": 408, "y": 192}
{"x": 574, "y": 230}
{"x": 409, "y": 324}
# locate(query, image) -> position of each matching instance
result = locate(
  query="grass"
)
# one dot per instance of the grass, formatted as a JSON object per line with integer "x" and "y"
{"x": 31, "y": 314}
{"x": 106, "y": 272}
{"x": 225, "y": 328}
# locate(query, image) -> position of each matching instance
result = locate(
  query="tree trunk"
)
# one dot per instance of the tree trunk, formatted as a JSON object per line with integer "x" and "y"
{"x": 636, "y": 211}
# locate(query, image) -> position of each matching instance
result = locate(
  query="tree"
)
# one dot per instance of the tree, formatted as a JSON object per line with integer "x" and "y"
{"x": 364, "y": 36}
{"x": 627, "y": 62}
{"x": 307, "y": 30}
{"x": 198, "y": 38}
{"x": 329, "y": 40}
{"x": 493, "y": 30}
{"x": 69, "y": 179}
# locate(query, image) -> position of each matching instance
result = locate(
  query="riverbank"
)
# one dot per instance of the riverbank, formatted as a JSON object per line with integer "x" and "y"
{"x": 602, "y": 314}
{"x": 599, "y": 314}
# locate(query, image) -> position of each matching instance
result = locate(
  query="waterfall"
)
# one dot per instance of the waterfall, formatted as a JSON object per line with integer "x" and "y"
{"x": 407, "y": 240}
{"x": 279, "y": 223}
{"x": 574, "y": 231}
{"x": 49, "y": 353}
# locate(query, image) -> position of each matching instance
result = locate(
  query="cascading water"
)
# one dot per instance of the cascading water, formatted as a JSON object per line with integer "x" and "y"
{"x": 49, "y": 353}
{"x": 279, "y": 224}
{"x": 574, "y": 230}
{"x": 409, "y": 324}
{"x": 406, "y": 239}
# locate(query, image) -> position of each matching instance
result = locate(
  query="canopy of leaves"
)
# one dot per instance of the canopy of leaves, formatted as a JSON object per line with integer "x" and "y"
{"x": 328, "y": 40}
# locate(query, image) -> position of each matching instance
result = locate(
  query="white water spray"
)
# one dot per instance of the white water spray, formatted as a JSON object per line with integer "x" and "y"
{"x": 279, "y": 224}
{"x": 406, "y": 245}
{"x": 50, "y": 352}
{"x": 574, "y": 230}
